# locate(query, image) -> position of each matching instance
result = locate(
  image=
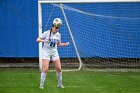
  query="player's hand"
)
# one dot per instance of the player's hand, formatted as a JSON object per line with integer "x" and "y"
{"x": 67, "y": 43}
{"x": 43, "y": 40}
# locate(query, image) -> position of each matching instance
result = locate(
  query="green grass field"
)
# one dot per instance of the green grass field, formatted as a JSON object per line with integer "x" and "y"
{"x": 27, "y": 81}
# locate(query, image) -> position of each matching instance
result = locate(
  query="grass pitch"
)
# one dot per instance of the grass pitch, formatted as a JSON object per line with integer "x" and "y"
{"x": 27, "y": 81}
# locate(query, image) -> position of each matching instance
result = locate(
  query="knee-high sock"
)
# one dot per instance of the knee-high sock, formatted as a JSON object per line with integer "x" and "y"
{"x": 42, "y": 78}
{"x": 59, "y": 77}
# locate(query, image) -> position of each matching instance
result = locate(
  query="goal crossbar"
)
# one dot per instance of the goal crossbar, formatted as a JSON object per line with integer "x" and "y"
{"x": 84, "y": 1}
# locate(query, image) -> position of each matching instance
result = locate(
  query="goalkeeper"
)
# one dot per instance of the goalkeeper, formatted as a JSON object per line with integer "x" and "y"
{"x": 51, "y": 39}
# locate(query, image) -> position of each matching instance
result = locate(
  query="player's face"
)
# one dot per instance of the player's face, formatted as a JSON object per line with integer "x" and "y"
{"x": 55, "y": 29}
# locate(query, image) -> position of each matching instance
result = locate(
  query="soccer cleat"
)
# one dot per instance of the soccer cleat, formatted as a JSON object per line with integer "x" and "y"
{"x": 60, "y": 86}
{"x": 41, "y": 87}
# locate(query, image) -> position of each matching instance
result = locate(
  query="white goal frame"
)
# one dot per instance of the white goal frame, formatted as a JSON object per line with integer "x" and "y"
{"x": 67, "y": 1}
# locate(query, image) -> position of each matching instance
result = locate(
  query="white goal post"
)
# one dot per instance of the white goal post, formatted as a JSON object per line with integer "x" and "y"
{"x": 61, "y": 2}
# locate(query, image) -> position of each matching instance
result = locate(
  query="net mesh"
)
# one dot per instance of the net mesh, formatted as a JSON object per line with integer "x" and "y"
{"x": 69, "y": 60}
{"x": 106, "y": 34}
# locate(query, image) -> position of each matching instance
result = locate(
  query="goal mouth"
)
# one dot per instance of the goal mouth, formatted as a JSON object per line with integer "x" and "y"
{"x": 103, "y": 34}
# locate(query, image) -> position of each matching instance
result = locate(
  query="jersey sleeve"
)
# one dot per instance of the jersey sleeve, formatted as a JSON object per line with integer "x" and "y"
{"x": 59, "y": 38}
{"x": 43, "y": 36}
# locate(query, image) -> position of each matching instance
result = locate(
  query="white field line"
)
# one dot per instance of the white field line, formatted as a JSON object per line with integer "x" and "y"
{"x": 33, "y": 85}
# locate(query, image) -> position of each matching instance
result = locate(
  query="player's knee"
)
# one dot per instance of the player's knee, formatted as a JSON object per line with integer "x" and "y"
{"x": 45, "y": 69}
{"x": 58, "y": 69}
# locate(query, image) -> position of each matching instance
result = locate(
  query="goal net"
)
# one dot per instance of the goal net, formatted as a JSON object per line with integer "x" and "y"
{"x": 101, "y": 35}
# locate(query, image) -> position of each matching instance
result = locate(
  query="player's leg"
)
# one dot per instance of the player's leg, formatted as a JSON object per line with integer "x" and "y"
{"x": 45, "y": 67}
{"x": 58, "y": 72}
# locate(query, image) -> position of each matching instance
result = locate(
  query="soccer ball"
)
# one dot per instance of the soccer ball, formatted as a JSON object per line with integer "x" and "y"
{"x": 57, "y": 22}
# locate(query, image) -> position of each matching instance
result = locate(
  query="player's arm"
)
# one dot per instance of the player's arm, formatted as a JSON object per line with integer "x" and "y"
{"x": 63, "y": 44}
{"x": 39, "y": 40}
{"x": 42, "y": 37}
